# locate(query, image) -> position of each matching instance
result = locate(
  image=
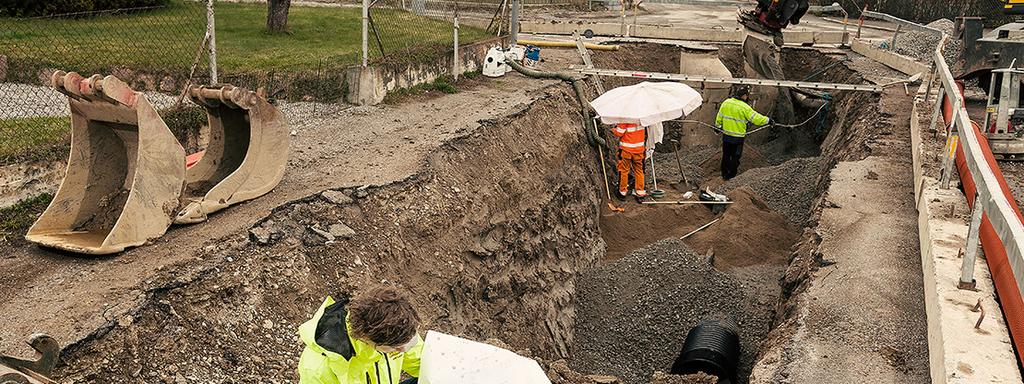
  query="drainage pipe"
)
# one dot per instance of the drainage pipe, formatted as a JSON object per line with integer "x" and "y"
{"x": 995, "y": 252}
{"x": 712, "y": 347}
{"x": 588, "y": 123}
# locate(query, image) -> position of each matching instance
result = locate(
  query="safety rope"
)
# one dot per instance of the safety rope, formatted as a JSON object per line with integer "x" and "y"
{"x": 821, "y": 121}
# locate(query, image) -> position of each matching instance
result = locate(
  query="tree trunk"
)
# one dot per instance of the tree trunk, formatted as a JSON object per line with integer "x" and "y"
{"x": 277, "y": 15}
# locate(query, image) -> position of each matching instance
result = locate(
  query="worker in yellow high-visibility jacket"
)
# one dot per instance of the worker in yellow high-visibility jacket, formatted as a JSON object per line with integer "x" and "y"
{"x": 371, "y": 339}
{"x": 733, "y": 117}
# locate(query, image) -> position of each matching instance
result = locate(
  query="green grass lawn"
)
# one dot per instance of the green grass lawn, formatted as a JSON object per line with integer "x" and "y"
{"x": 31, "y": 133}
{"x": 16, "y": 219}
{"x": 168, "y": 38}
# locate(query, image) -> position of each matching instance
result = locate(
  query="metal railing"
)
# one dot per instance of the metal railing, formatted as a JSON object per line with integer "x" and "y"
{"x": 991, "y": 198}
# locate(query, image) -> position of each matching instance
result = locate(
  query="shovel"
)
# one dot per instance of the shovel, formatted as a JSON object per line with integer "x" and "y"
{"x": 686, "y": 181}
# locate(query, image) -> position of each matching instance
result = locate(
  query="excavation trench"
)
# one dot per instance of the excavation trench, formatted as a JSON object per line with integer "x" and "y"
{"x": 504, "y": 234}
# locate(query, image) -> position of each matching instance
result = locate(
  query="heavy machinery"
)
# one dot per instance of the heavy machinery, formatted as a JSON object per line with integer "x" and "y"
{"x": 761, "y": 54}
{"x": 1004, "y": 115}
{"x": 126, "y": 180}
{"x": 991, "y": 59}
{"x": 770, "y": 17}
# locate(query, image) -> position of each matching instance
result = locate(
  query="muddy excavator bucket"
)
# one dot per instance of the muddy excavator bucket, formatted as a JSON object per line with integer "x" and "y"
{"x": 245, "y": 157}
{"x": 124, "y": 175}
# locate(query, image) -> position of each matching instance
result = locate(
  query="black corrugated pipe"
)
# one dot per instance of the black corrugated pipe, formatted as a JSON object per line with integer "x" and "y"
{"x": 712, "y": 347}
{"x": 588, "y": 123}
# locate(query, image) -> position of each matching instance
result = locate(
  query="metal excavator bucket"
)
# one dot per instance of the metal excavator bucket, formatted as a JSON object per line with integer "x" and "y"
{"x": 124, "y": 175}
{"x": 245, "y": 157}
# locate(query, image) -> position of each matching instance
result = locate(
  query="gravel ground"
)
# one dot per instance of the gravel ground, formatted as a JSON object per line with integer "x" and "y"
{"x": 789, "y": 188}
{"x": 634, "y": 314}
{"x": 921, "y": 45}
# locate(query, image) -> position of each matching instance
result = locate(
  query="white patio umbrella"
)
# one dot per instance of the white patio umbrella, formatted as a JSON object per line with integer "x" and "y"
{"x": 646, "y": 103}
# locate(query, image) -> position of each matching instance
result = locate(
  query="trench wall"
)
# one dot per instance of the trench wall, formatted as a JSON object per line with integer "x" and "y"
{"x": 487, "y": 239}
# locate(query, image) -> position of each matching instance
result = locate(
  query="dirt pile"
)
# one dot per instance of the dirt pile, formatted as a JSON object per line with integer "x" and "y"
{"x": 748, "y": 233}
{"x": 698, "y": 378}
{"x": 488, "y": 250}
{"x": 790, "y": 188}
{"x": 633, "y": 314}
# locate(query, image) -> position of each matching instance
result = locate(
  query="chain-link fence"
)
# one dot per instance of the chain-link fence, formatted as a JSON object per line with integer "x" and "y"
{"x": 152, "y": 49}
{"x": 414, "y": 30}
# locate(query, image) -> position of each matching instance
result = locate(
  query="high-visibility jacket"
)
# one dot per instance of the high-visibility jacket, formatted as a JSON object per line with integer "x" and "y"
{"x": 332, "y": 357}
{"x": 733, "y": 116}
{"x": 631, "y": 137}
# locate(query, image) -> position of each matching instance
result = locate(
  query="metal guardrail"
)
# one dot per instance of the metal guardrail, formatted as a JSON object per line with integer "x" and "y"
{"x": 990, "y": 196}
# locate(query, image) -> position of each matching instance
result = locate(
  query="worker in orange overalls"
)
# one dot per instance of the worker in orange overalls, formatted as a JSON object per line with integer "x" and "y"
{"x": 631, "y": 157}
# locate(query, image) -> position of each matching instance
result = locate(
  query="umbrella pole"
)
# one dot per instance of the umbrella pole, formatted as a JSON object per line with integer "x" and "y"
{"x": 654, "y": 175}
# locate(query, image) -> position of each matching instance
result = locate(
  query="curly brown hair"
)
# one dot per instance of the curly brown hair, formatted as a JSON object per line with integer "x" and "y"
{"x": 383, "y": 316}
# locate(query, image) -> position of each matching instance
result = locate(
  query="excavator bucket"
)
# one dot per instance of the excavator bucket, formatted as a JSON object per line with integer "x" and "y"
{"x": 245, "y": 157}
{"x": 124, "y": 175}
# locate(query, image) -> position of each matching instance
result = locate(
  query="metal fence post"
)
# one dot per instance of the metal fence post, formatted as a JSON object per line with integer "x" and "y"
{"x": 892, "y": 47}
{"x": 366, "y": 33}
{"x": 514, "y": 26}
{"x": 455, "y": 56}
{"x": 211, "y": 31}
{"x": 938, "y": 109}
{"x": 971, "y": 248}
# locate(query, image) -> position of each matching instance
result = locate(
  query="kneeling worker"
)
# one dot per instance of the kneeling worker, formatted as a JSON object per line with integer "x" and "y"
{"x": 631, "y": 157}
{"x": 368, "y": 340}
{"x": 732, "y": 119}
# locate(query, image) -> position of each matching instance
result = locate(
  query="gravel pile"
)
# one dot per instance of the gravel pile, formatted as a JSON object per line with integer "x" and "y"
{"x": 699, "y": 378}
{"x": 789, "y": 188}
{"x": 633, "y": 314}
{"x": 921, "y": 45}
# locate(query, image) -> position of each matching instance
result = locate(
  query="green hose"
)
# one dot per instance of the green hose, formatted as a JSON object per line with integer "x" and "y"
{"x": 588, "y": 122}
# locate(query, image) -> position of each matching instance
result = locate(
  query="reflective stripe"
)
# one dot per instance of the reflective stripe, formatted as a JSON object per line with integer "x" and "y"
{"x": 631, "y": 145}
{"x": 634, "y": 129}
{"x": 734, "y": 119}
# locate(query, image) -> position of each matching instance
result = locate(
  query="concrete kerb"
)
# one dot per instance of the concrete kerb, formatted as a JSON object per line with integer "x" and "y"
{"x": 959, "y": 352}
{"x": 369, "y": 85}
{"x": 892, "y": 60}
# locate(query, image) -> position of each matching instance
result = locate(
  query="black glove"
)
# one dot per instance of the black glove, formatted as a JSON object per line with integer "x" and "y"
{"x": 770, "y": 122}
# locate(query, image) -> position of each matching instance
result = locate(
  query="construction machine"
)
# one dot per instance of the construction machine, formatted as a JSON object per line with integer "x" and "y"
{"x": 761, "y": 55}
{"x": 127, "y": 178}
{"x": 993, "y": 59}
{"x": 1004, "y": 115}
{"x": 770, "y": 17}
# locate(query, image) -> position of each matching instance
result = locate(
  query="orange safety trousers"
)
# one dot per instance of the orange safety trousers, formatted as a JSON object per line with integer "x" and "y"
{"x": 630, "y": 161}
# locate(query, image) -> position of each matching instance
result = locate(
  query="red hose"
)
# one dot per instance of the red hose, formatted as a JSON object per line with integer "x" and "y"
{"x": 995, "y": 253}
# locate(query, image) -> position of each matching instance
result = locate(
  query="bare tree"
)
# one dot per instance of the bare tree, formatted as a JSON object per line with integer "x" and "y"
{"x": 277, "y": 15}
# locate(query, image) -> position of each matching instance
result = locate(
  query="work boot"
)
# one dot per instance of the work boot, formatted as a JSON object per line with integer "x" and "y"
{"x": 622, "y": 195}
{"x": 641, "y": 195}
